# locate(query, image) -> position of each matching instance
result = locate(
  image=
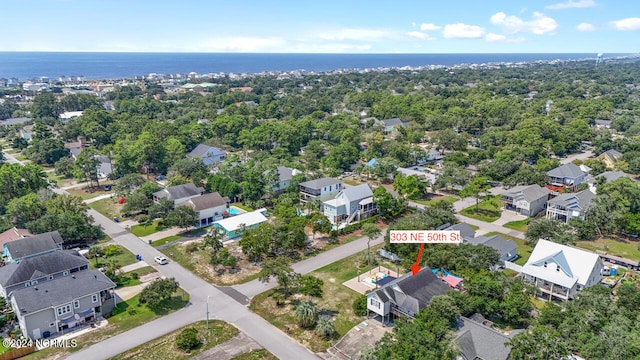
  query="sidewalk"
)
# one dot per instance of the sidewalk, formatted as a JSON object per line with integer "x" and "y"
{"x": 98, "y": 198}
{"x": 134, "y": 266}
{"x": 162, "y": 234}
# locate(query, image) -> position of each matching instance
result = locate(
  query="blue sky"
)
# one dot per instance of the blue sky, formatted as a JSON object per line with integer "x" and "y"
{"x": 327, "y": 26}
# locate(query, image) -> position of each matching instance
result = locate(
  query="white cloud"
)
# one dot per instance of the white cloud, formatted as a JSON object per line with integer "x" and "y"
{"x": 420, "y": 35}
{"x": 539, "y": 24}
{"x": 627, "y": 24}
{"x": 572, "y": 4}
{"x": 355, "y": 34}
{"x": 494, "y": 37}
{"x": 427, "y": 27}
{"x": 462, "y": 31}
{"x": 585, "y": 27}
{"x": 245, "y": 44}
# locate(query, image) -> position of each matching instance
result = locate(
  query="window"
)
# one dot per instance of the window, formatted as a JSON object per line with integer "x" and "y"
{"x": 94, "y": 298}
{"x": 64, "y": 309}
{"x": 52, "y": 324}
{"x": 375, "y": 303}
{"x": 76, "y": 304}
{"x": 50, "y": 277}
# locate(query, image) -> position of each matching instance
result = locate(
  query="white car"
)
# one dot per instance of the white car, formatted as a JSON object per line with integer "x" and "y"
{"x": 161, "y": 260}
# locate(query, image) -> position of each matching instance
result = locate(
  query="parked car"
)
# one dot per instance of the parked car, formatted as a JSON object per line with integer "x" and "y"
{"x": 161, "y": 260}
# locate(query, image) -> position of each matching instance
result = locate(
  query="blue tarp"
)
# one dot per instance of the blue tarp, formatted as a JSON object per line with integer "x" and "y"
{"x": 372, "y": 162}
{"x": 448, "y": 273}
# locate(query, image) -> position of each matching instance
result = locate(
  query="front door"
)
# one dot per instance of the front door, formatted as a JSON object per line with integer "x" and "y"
{"x": 36, "y": 333}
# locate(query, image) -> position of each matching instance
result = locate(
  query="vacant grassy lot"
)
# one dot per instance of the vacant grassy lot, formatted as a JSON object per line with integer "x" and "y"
{"x": 520, "y": 225}
{"x": 147, "y": 228}
{"x": 120, "y": 255}
{"x": 126, "y": 316}
{"x": 524, "y": 249}
{"x": 261, "y": 354}
{"x": 487, "y": 211}
{"x": 165, "y": 347}
{"x": 168, "y": 239}
{"x": 436, "y": 199}
{"x": 89, "y": 193}
{"x": 336, "y": 301}
{"x": 619, "y": 247}
{"x": 107, "y": 207}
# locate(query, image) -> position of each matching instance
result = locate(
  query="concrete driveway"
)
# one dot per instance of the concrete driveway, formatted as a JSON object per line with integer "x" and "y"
{"x": 509, "y": 216}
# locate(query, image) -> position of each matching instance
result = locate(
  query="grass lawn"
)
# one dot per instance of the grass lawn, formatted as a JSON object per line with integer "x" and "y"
{"x": 167, "y": 240}
{"x": 21, "y": 158}
{"x": 90, "y": 193}
{"x": 261, "y": 354}
{"x": 142, "y": 271}
{"x": 165, "y": 347}
{"x": 126, "y": 316}
{"x": 432, "y": 202}
{"x": 524, "y": 249}
{"x": 147, "y": 228}
{"x": 243, "y": 207}
{"x": 122, "y": 256}
{"x": 520, "y": 225}
{"x": 619, "y": 247}
{"x": 107, "y": 207}
{"x": 487, "y": 212}
{"x": 352, "y": 182}
{"x": 336, "y": 301}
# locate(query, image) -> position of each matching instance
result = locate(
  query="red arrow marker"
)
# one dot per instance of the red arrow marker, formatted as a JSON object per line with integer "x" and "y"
{"x": 416, "y": 267}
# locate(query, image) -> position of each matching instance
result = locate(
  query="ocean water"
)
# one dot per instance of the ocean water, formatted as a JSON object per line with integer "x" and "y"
{"x": 29, "y": 65}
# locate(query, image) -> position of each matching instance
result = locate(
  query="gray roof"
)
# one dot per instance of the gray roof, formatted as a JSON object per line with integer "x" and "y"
{"x": 61, "y": 290}
{"x": 284, "y": 173}
{"x": 179, "y": 191}
{"x": 466, "y": 231}
{"x": 611, "y": 175}
{"x": 413, "y": 292}
{"x": 479, "y": 341}
{"x": 393, "y": 122}
{"x": 40, "y": 266}
{"x": 361, "y": 191}
{"x": 580, "y": 199}
{"x": 613, "y": 155}
{"x": 568, "y": 170}
{"x": 506, "y": 248}
{"x": 529, "y": 192}
{"x": 203, "y": 150}
{"x": 206, "y": 201}
{"x": 34, "y": 244}
{"x": 13, "y": 121}
{"x": 320, "y": 183}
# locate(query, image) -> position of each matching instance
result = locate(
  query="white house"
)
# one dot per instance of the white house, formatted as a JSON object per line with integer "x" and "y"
{"x": 526, "y": 200}
{"x": 559, "y": 271}
{"x": 209, "y": 207}
{"x": 319, "y": 189}
{"x": 209, "y": 154}
{"x": 179, "y": 193}
{"x": 353, "y": 203}
{"x": 569, "y": 205}
{"x": 232, "y": 227}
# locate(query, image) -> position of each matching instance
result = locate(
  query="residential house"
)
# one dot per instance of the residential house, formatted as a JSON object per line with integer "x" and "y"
{"x": 425, "y": 174}
{"x": 466, "y": 231}
{"x": 38, "y": 269}
{"x": 209, "y": 154}
{"x": 232, "y": 227}
{"x": 179, "y": 193}
{"x": 603, "y": 124}
{"x": 479, "y": 341}
{"x": 608, "y": 176}
{"x": 566, "y": 176}
{"x": 15, "y": 121}
{"x": 209, "y": 207}
{"x": 13, "y": 234}
{"x": 104, "y": 167}
{"x": 559, "y": 271}
{"x": 569, "y": 205}
{"x": 63, "y": 303}
{"x": 285, "y": 174}
{"x": 68, "y": 115}
{"x": 319, "y": 189}
{"x": 610, "y": 157}
{"x": 26, "y": 132}
{"x": 507, "y": 249}
{"x": 15, "y": 251}
{"x": 405, "y": 296}
{"x": 392, "y": 124}
{"x": 352, "y": 203}
{"x": 526, "y": 200}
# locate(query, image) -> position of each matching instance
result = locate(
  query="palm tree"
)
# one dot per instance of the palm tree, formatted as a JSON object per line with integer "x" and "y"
{"x": 371, "y": 231}
{"x": 325, "y": 327}
{"x": 306, "y": 314}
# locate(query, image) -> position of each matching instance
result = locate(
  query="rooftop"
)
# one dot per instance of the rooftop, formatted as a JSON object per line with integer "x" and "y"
{"x": 40, "y": 266}
{"x": 34, "y": 244}
{"x": 206, "y": 201}
{"x": 247, "y": 219}
{"x": 320, "y": 183}
{"x": 568, "y": 170}
{"x": 179, "y": 191}
{"x": 202, "y": 150}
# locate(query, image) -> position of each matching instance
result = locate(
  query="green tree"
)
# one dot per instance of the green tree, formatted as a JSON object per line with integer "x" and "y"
{"x": 255, "y": 243}
{"x": 158, "y": 291}
{"x": 45, "y": 105}
{"x": 64, "y": 167}
{"x": 280, "y": 269}
{"x": 24, "y": 209}
{"x": 86, "y": 166}
{"x": 306, "y": 314}
{"x": 128, "y": 183}
{"x": 389, "y": 206}
{"x": 410, "y": 187}
{"x": 360, "y": 305}
{"x": 325, "y": 327}
{"x": 96, "y": 252}
{"x": 187, "y": 339}
{"x": 310, "y": 285}
{"x": 182, "y": 216}
{"x": 476, "y": 188}
{"x": 371, "y": 231}
{"x": 540, "y": 343}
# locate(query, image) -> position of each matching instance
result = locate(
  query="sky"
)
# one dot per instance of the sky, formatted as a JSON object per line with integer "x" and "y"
{"x": 323, "y": 26}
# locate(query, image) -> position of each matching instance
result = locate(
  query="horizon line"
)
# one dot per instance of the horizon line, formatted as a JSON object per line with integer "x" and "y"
{"x": 302, "y": 53}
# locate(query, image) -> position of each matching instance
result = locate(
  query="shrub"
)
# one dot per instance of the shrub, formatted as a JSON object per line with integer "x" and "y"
{"x": 306, "y": 314}
{"x": 193, "y": 247}
{"x": 135, "y": 276}
{"x": 187, "y": 339}
{"x": 310, "y": 286}
{"x": 325, "y": 327}
{"x": 141, "y": 218}
{"x": 112, "y": 250}
{"x": 360, "y": 305}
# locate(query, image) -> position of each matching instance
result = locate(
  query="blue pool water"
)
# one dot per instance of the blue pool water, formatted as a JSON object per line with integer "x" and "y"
{"x": 233, "y": 211}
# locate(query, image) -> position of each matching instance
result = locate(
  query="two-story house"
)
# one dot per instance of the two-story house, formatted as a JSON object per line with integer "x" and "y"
{"x": 566, "y": 176}
{"x": 209, "y": 154}
{"x": 352, "y": 203}
{"x": 559, "y": 271}
{"x": 284, "y": 175}
{"x": 528, "y": 200}
{"x": 566, "y": 206}
{"x": 34, "y": 270}
{"x": 209, "y": 207}
{"x": 63, "y": 303}
{"x": 179, "y": 193}
{"x": 319, "y": 189}
{"x": 610, "y": 157}
{"x": 405, "y": 296}
{"x": 507, "y": 249}
{"x": 17, "y": 250}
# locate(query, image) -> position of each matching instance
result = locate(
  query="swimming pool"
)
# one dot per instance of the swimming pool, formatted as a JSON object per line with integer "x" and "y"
{"x": 234, "y": 211}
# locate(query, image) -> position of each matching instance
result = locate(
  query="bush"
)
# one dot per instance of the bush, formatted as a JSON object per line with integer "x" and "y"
{"x": 112, "y": 250}
{"x": 187, "y": 340}
{"x": 193, "y": 247}
{"x": 135, "y": 276}
{"x": 141, "y": 218}
{"x": 310, "y": 286}
{"x": 360, "y": 305}
{"x": 325, "y": 327}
